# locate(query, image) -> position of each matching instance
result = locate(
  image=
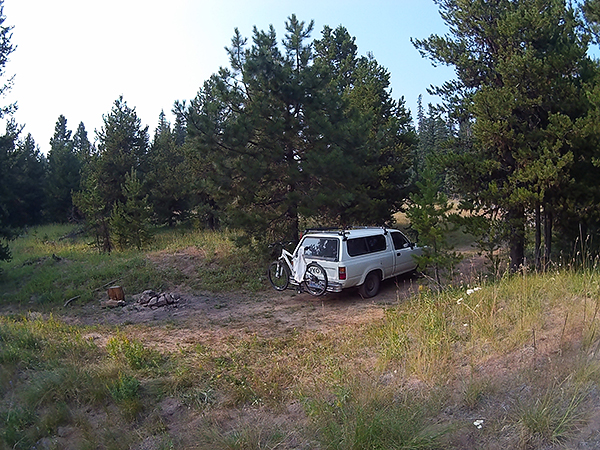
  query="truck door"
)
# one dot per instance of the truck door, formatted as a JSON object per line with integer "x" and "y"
{"x": 404, "y": 261}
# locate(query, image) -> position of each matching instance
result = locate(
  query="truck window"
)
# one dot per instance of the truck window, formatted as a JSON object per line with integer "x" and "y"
{"x": 376, "y": 243}
{"x": 364, "y": 245}
{"x": 321, "y": 248}
{"x": 357, "y": 246}
{"x": 400, "y": 241}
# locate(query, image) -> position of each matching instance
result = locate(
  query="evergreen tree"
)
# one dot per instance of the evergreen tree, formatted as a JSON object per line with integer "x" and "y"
{"x": 167, "y": 179}
{"x": 433, "y": 136}
{"x": 28, "y": 166}
{"x": 6, "y": 49}
{"x": 130, "y": 221}
{"x": 430, "y": 216}
{"x": 95, "y": 210}
{"x": 7, "y": 194}
{"x": 520, "y": 66}
{"x": 369, "y": 135}
{"x": 6, "y": 141}
{"x": 123, "y": 145}
{"x": 64, "y": 166}
{"x": 82, "y": 146}
{"x": 180, "y": 126}
{"x": 308, "y": 133}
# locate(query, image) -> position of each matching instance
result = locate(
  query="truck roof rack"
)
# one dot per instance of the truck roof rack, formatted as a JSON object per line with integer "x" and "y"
{"x": 343, "y": 231}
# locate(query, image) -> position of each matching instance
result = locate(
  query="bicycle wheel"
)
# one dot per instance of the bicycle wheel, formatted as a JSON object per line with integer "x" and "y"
{"x": 279, "y": 275}
{"x": 315, "y": 279}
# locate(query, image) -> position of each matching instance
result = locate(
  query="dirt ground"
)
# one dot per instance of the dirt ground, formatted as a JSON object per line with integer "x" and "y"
{"x": 208, "y": 317}
{"x": 268, "y": 313}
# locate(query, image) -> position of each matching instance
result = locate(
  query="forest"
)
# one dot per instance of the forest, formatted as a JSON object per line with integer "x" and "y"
{"x": 301, "y": 131}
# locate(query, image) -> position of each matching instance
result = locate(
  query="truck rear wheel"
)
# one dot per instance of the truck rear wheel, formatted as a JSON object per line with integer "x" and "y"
{"x": 370, "y": 287}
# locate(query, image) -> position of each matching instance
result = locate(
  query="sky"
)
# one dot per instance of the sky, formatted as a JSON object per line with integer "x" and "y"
{"x": 76, "y": 57}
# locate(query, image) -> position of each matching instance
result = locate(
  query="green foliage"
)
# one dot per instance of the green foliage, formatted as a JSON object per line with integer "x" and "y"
{"x": 90, "y": 203}
{"x": 15, "y": 171}
{"x": 551, "y": 418}
{"x": 125, "y": 391}
{"x": 22, "y": 174}
{"x": 122, "y": 147}
{"x": 112, "y": 200}
{"x": 168, "y": 179}
{"x": 64, "y": 166}
{"x": 130, "y": 221}
{"x": 36, "y": 276}
{"x": 16, "y": 431}
{"x": 489, "y": 234}
{"x": 132, "y": 352}
{"x": 370, "y": 419}
{"x": 522, "y": 68}
{"x": 284, "y": 136}
{"x": 125, "y": 388}
{"x": 429, "y": 213}
{"x": 389, "y": 383}
{"x": 434, "y": 134}
{"x": 6, "y": 49}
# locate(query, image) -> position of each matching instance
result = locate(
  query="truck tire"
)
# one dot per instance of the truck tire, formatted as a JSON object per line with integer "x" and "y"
{"x": 370, "y": 287}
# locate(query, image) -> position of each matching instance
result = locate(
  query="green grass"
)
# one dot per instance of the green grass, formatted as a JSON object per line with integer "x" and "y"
{"x": 519, "y": 354}
{"x": 52, "y": 264}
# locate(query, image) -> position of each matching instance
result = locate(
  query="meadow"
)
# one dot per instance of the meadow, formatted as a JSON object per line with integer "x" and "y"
{"x": 509, "y": 363}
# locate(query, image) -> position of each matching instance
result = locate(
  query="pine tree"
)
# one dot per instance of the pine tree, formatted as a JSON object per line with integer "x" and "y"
{"x": 520, "y": 65}
{"x": 64, "y": 166}
{"x": 430, "y": 216}
{"x": 167, "y": 178}
{"x": 82, "y": 146}
{"x": 6, "y": 49}
{"x": 309, "y": 133}
{"x": 130, "y": 221}
{"x": 123, "y": 145}
{"x": 7, "y": 184}
{"x": 7, "y": 141}
{"x": 29, "y": 169}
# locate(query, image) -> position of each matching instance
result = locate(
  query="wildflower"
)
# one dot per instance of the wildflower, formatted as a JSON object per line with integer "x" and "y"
{"x": 471, "y": 291}
{"x": 459, "y": 301}
{"x": 465, "y": 324}
{"x": 478, "y": 423}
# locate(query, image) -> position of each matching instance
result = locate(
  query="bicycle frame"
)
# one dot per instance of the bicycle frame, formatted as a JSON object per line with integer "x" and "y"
{"x": 288, "y": 258}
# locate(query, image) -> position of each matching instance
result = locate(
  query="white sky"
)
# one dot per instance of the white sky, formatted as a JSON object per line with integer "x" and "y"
{"x": 76, "y": 57}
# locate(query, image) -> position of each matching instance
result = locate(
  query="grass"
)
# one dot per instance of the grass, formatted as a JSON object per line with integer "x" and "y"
{"x": 52, "y": 264}
{"x": 517, "y": 357}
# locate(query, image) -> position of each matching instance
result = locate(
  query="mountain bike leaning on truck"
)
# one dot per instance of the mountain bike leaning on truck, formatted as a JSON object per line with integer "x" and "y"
{"x": 283, "y": 272}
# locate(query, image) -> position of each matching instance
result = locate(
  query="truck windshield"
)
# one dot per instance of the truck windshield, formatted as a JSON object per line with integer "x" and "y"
{"x": 321, "y": 248}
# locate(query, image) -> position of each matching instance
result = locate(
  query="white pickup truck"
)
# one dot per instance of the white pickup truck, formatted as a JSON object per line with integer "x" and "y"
{"x": 360, "y": 257}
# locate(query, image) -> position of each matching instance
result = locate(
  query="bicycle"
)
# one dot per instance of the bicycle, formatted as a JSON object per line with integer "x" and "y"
{"x": 282, "y": 273}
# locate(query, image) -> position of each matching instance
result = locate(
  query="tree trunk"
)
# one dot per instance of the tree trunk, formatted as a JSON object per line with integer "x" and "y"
{"x": 116, "y": 293}
{"x": 548, "y": 221}
{"x": 538, "y": 237}
{"x": 516, "y": 241}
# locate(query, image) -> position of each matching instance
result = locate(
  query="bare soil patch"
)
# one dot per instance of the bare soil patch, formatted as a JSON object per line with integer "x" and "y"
{"x": 208, "y": 318}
